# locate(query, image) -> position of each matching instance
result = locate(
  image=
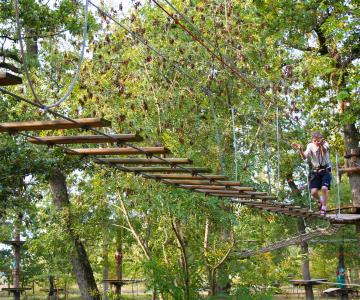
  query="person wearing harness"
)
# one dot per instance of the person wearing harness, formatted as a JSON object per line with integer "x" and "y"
{"x": 320, "y": 176}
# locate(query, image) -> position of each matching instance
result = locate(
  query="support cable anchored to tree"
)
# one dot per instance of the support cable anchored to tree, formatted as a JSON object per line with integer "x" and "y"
{"x": 77, "y": 72}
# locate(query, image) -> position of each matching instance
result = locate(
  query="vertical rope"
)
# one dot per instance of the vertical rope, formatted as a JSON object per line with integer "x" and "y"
{"x": 268, "y": 172}
{"x": 338, "y": 185}
{"x": 308, "y": 184}
{"x": 278, "y": 150}
{"x": 217, "y": 134}
{"x": 235, "y": 144}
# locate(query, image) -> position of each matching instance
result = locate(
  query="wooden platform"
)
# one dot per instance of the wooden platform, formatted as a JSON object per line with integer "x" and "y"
{"x": 335, "y": 292}
{"x": 302, "y": 282}
{"x": 349, "y": 170}
{"x": 16, "y": 290}
{"x": 145, "y": 161}
{"x": 118, "y": 151}
{"x": 9, "y": 79}
{"x": 14, "y": 243}
{"x": 85, "y": 139}
{"x": 121, "y": 282}
{"x": 53, "y": 124}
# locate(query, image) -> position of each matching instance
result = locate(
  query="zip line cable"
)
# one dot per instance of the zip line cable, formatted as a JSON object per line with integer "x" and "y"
{"x": 308, "y": 183}
{"x": 77, "y": 72}
{"x": 54, "y": 113}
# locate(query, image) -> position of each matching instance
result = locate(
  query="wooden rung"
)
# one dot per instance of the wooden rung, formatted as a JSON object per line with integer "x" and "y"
{"x": 349, "y": 170}
{"x": 118, "y": 151}
{"x": 190, "y": 177}
{"x": 216, "y": 187}
{"x": 9, "y": 79}
{"x": 264, "y": 197}
{"x": 54, "y": 124}
{"x": 255, "y": 193}
{"x": 230, "y": 196}
{"x": 85, "y": 139}
{"x": 14, "y": 243}
{"x": 143, "y": 161}
{"x": 225, "y": 191}
{"x": 165, "y": 170}
{"x": 203, "y": 181}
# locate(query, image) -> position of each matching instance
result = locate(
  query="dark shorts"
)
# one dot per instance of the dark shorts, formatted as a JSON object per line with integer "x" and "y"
{"x": 320, "y": 179}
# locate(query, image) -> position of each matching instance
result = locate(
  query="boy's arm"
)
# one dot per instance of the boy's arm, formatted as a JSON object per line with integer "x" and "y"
{"x": 301, "y": 151}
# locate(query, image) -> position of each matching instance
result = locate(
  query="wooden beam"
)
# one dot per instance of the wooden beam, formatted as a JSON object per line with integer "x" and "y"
{"x": 203, "y": 181}
{"x": 53, "y": 124}
{"x": 9, "y": 79}
{"x": 118, "y": 151}
{"x": 190, "y": 177}
{"x": 85, "y": 139}
{"x": 166, "y": 170}
{"x": 143, "y": 161}
{"x": 216, "y": 187}
{"x": 231, "y": 196}
{"x": 349, "y": 170}
{"x": 225, "y": 191}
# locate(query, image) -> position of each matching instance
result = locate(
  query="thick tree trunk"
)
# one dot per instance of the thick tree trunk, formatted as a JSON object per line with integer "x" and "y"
{"x": 351, "y": 137}
{"x": 79, "y": 259}
{"x": 305, "y": 262}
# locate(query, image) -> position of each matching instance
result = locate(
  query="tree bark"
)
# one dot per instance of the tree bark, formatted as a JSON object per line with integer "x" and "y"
{"x": 17, "y": 258}
{"x": 79, "y": 259}
{"x": 184, "y": 256}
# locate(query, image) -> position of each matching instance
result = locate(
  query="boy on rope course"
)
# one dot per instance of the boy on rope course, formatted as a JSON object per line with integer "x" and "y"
{"x": 320, "y": 175}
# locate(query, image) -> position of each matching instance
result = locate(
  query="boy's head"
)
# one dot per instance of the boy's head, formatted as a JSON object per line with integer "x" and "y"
{"x": 317, "y": 137}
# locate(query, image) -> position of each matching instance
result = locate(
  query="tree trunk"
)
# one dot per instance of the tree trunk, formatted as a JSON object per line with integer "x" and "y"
{"x": 119, "y": 260}
{"x": 79, "y": 259}
{"x": 305, "y": 261}
{"x": 351, "y": 137}
{"x": 341, "y": 273}
{"x": 106, "y": 271}
{"x": 17, "y": 258}
{"x": 176, "y": 226}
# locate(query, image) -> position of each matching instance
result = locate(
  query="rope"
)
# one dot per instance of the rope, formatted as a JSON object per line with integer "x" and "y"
{"x": 235, "y": 143}
{"x": 77, "y": 72}
{"x": 268, "y": 170}
{"x": 217, "y": 135}
{"x": 338, "y": 185}
{"x": 308, "y": 183}
{"x": 278, "y": 150}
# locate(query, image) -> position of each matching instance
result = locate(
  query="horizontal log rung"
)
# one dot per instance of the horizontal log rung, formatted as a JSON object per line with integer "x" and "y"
{"x": 85, "y": 139}
{"x": 9, "y": 79}
{"x": 118, "y": 151}
{"x": 53, "y": 124}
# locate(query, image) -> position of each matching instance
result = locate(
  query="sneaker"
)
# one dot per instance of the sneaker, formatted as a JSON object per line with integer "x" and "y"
{"x": 323, "y": 211}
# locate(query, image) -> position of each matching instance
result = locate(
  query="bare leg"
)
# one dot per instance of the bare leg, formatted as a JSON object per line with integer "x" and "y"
{"x": 315, "y": 193}
{"x": 324, "y": 191}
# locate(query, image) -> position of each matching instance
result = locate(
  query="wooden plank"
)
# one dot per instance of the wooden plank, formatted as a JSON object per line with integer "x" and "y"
{"x": 166, "y": 170}
{"x": 144, "y": 161}
{"x": 231, "y": 196}
{"x": 54, "y": 124}
{"x": 203, "y": 181}
{"x": 9, "y": 79}
{"x": 118, "y": 151}
{"x": 85, "y": 139}
{"x": 225, "y": 191}
{"x": 211, "y": 187}
{"x": 349, "y": 170}
{"x": 190, "y": 177}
